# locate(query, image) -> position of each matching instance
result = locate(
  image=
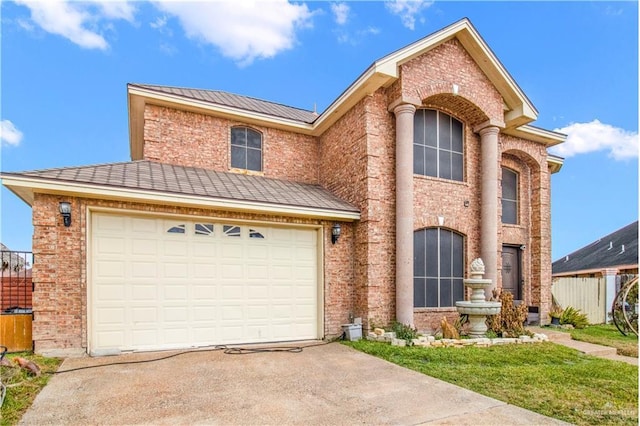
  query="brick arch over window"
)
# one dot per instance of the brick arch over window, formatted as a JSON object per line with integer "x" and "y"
{"x": 464, "y": 104}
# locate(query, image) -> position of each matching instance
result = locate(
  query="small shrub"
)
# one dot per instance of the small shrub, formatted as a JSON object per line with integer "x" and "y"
{"x": 510, "y": 321}
{"x": 404, "y": 332}
{"x": 574, "y": 317}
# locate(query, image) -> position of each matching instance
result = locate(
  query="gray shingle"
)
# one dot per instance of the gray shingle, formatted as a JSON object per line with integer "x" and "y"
{"x": 236, "y": 101}
{"x": 605, "y": 253}
{"x": 168, "y": 178}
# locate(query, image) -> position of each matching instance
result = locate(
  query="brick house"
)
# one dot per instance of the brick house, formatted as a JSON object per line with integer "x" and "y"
{"x": 220, "y": 229}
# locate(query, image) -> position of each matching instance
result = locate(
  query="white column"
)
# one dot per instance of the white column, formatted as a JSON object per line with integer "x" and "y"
{"x": 404, "y": 213}
{"x": 610, "y": 291}
{"x": 489, "y": 204}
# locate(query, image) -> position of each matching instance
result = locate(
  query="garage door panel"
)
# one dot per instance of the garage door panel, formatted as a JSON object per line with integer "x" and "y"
{"x": 144, "y": 315}
{"x": 144, "y": 247}
{"x": 204, "y": 293}
{"x": 110, "y": 269}
{"x": 109, "y": 291}
{"x": 144, "y": 269}
{"x": 232, "y": 312}
{"x": 141, "y": 292}
{"x": 173, "y": 292}
{"x": 173, "y": 269}
{"x": 140, "y": 225}
{"x": 161, "y": 284}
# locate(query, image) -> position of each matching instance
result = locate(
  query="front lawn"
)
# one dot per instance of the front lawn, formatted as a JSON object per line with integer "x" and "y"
{"x": 22, "y": 387}
{"x": 546, "y": 378}
{"x": 608, "y": 335}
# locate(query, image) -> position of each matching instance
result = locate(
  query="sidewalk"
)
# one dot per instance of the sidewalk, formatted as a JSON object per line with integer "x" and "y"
{"x": 564, "y": 338}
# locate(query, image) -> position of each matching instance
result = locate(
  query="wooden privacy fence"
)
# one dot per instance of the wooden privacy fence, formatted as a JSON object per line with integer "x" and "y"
{"x": 586, "y": 294}
{"x": 15, "y": 300}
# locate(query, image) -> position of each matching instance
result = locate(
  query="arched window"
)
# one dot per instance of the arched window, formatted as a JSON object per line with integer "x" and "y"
{"x": 246, "y": 149}
{"x": 509, "y": 196}
{"x": 438, "y": 268}
{"x": 437, "y": 145}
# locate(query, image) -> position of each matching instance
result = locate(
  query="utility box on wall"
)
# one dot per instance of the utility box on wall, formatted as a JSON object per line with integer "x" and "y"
{"x": 352, "y": 331}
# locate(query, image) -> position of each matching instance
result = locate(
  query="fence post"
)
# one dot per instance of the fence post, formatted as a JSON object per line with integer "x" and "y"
{"x": 609, "y": 275}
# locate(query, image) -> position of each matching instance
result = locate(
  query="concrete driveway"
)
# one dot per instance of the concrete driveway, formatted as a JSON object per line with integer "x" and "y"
{"x": 323, "y": 385}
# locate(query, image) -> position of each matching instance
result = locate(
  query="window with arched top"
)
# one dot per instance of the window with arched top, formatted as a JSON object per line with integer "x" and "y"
{"x": 438, "y": 148}
{"x": 438, "y": 268}
{"x": 246, "y": 149}
{"x": 509, "y": 196}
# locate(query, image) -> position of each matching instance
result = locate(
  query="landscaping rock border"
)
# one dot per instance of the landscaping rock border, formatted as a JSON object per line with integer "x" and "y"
{"x": 431, "y": 341}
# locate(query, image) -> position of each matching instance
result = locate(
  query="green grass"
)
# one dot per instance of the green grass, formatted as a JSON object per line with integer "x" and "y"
{"x": 608, "y": 335}
{"x": 546, "y": 378}
{"x": 22, "y": 387}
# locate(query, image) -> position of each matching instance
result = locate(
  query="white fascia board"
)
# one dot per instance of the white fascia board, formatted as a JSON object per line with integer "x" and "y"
{"x": 536, "y": 134}
{"x": 227, "y": 111}
{"x": 22, "y": 185}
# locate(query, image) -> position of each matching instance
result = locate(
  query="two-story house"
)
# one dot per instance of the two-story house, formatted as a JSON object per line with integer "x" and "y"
{"x": 240, "y": 220}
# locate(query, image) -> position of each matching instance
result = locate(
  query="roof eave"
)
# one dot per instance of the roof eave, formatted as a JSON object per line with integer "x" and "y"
{"x": 25, "y": 187}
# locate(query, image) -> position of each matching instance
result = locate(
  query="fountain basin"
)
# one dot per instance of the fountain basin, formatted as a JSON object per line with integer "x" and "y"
{"x": 481, "y": 308}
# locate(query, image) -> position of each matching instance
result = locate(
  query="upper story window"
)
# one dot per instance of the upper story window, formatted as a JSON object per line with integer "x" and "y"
{"x": 246, "y": 149}
{"x": 509, "y": 196}
{"x": 438, "y": 268}
{"x": 437, "y": 145}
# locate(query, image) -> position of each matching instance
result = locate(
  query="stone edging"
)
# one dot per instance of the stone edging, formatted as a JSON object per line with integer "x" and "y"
{"x": 430, "y": 341}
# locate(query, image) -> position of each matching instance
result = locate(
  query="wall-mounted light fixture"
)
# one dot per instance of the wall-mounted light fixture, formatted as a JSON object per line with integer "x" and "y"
{"x": 65, "y": 211}
{"x": 523, "y": 247}
{"x": 336, "y": 230}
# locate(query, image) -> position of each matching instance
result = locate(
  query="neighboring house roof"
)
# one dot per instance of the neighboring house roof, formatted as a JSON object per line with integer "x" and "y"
{"x": 148, "y": 181}
{"x": 616, "y": 250}
{"x": 519, "y": 111}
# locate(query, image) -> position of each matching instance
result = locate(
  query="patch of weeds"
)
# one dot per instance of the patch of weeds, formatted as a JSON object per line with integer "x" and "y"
{"x": 404, "y": 332}
{"x": 22, "y": 386}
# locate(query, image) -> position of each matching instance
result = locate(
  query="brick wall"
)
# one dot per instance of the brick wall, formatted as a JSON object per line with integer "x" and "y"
{"x": 191, "y": 139}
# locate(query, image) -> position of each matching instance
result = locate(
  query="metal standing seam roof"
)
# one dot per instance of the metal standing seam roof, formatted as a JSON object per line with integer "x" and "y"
{"x": 168, "y": 178}
{"x": 236, "y": 101}
{"x": 607, "y": 252}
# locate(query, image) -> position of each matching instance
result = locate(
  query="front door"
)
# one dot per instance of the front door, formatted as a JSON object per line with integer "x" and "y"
{"x": 511, "y": 271}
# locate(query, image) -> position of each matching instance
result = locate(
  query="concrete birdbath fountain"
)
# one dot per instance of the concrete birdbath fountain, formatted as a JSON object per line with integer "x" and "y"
{"x": 478, "y": 308}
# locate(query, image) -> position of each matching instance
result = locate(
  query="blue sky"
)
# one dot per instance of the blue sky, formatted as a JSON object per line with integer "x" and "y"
{"x": 65, "y": 66}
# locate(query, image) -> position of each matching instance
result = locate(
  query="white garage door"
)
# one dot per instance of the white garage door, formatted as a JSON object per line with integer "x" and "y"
{"x": 166, "y": 284}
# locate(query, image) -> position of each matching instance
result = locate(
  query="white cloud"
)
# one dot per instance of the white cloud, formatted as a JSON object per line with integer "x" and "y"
{"x": 9, "y": 133}
{"x": 340, "y": 12}
{"x": 357, "y": 36}
{"x": 408, "y": 10}
{"x": 77, "y": 21}
{"x": 595, "y": 136}
{"x": 243, "y": 31}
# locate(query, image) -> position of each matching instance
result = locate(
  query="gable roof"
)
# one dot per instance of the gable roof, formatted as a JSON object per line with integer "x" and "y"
{"x": 151, "y": 182}
{"x": 618, "y": 249}
{"x": 382, "y": 73}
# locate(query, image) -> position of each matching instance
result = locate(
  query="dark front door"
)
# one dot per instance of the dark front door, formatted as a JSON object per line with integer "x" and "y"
{"x": 511, "y": 271}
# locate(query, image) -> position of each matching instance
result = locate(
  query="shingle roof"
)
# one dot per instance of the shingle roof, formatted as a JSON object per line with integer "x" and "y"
{"x": 236, "y": 101}
{"x": 607, "y": 252}
{"x": 167, "y": 178}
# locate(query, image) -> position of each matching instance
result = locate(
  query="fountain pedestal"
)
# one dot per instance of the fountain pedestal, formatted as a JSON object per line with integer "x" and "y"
{"x": 478, "y": 308}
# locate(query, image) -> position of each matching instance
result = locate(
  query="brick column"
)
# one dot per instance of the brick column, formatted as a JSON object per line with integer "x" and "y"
{"x": 404, "y": 213}
{"x": 489, "y": 204}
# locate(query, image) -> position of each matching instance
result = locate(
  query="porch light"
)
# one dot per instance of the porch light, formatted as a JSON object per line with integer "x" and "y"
{"x": 65, "y": 211}
{"x": 335, "y": 233}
